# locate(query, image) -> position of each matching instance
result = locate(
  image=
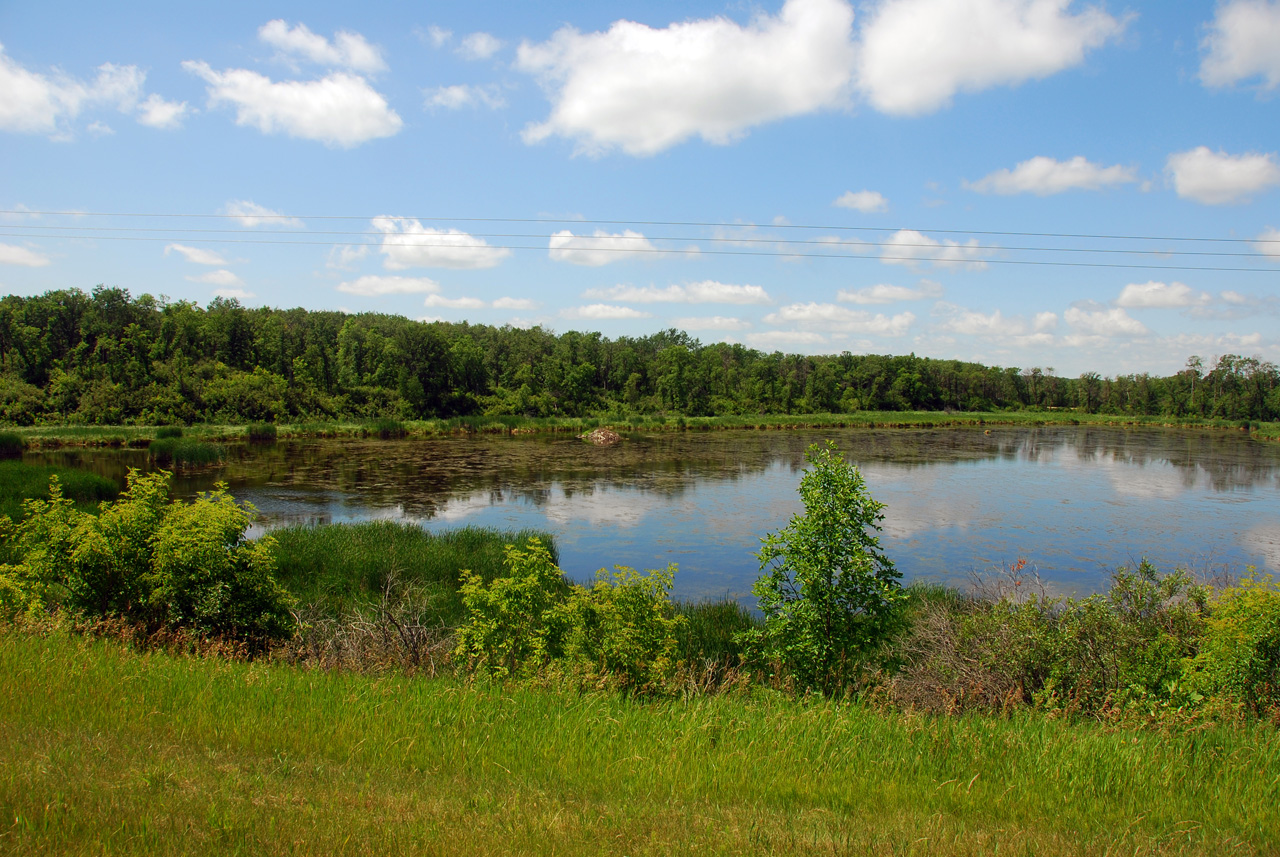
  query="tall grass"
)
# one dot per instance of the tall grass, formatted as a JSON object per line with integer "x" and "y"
{"x": 262, "y": 432}
{"x": 20, "y": 482}
{"x": 186, "y": 452}
{"x": 12, "y": 444}
{"x": 342, "y": 566}
{"x": 104, "y": 750}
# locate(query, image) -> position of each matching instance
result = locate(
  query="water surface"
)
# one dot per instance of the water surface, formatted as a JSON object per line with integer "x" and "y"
{"x": 1074, "y": 501}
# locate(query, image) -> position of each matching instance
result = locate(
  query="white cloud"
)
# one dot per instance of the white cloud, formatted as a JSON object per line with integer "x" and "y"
{"x": 1043, "y": 322}
{"x": 155, "y": 112}
{"x": 344, "y": 257}
{"x": 196, "y": 255}
{"x": 1216, "y": 178}
{"x": 866, "y": 201}
{"x": 917, "y": 54}
{"x": 776, "y": 338}
{"x": 1045, "y": 176}
{"x": 604, "y": 311}
{"x": 33, "y": 103}
{"x": 1153, "y": 295}
{"x": 705, "y": 292}
{"x": 598, "y": 249}
{"x": 714, "y": 322}
{"x": 250, "y": 214}
{"x": 453, "y": 303}
{"x": 233, "y": 294}
{"x": 408, "y": 244}
{"x": 995, "y": 326}
{"x": 221, "y": 277}
{"x": 1104, "y": 322}
{"x": 100, "y": 129}
{"x": 911, "y": 248}
{"x": 1243, "y": 42}
{"x": 515, "y": 303}
{"x": 1234, "y": 297}
{"x": 375, "y": 286}
{"x": 644, "y": 90}
{"x": 884, "y": 293}
{"x": 1268, "y": 242}
{"x": 347, "y": 50}
{"x": 438, "y": 36}
{"x": 479, "y": 46}
{"x": 464, "y": 95}
{"x": 833, "y": 318}
{"x": 338, "y": 110}
{"x": 11, "y": 254}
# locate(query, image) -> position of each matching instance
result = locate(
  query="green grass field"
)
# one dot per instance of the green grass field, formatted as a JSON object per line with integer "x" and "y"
{"x": 107, "y": 751}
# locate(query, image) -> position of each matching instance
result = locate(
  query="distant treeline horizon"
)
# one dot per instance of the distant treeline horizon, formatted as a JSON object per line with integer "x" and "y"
{"x": 108, "y": 358}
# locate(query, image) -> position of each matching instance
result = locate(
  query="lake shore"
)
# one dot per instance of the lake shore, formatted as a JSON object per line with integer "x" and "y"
{"x": 45, "y": 436}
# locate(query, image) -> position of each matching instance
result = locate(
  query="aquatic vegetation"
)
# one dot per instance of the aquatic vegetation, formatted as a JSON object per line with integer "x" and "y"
{"x": 186, "y": 452}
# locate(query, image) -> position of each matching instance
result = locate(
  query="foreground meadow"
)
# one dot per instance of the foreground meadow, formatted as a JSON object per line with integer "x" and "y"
{"x": 104, "y": 750}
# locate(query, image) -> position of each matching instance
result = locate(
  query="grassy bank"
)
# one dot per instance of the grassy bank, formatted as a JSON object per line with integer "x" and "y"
{"x": 104, "y": 750}
{"x": 20, "y": 482}
{"x": 142, "y": 436}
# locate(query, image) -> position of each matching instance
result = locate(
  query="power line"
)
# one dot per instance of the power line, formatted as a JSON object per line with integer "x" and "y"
{"x": 694, "y": 251}
{"x": 601, "y": 222}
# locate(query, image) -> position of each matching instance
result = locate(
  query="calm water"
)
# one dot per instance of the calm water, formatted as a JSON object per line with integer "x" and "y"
{"x": 1074, "y": 501}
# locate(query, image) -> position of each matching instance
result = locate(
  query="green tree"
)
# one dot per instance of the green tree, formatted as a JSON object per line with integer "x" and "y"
{"x": 829, "y": 595}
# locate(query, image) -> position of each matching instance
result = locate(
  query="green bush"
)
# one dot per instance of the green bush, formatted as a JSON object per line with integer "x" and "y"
{"x": 829, "y": 595}
{"x": 262, "y": 432}
{"x": 1239, "y": 659}
{"x": 168, "y": 432}
{"x": 163, "y": 564}
{"x": 619, "y": 633}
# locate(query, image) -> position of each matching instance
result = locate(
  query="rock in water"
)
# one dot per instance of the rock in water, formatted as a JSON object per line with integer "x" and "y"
{"x": 602, "y": 437}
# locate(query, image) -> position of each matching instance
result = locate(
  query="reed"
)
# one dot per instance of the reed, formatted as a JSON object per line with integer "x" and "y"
{"x": 186, "y": 452}
{"x": 262, "y": 432}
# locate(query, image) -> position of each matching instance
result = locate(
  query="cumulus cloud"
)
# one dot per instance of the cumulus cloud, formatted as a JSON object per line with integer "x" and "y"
{"x": 249, "y": 214}
{"x": 784, "y": 338}
{"x": 1216, "y": 178}
{"x": 1045, "y": 176}
{"x": 1153, "y": 295}
{"x": 515, "y": 303}
{"x": 196, "y": 255}
{"x": 347, "y": 50}
{"x": 1104, "y": 322}
{"x": 866, "y": 201}
{"x": 340, "y": 110}
{"x": 438, "y": 36}
{"x": 479, "y": 46}
{"x": 1268, "y": 242}
{"x": 233, "y": 294}
{"x": 221, "y": 277}
{"x": 453, "y": 303}
{"x": 995, "y": 326}
{"x": 1243, "y": 42}
{"x": 643, "y": 90}
{"x": 604, "y": 312}
{"x": 917, "y": 54}
{"x": 12, "y": 254}
{"x": 344, "y": 257}
{"x": 911, "y": 248}
{"x": 408, "y": 244}
{"x": 838, "y": 319}
{"x": 714, "y": 322}
{"x": 374, "y": 285}
{"x": 598, "y": 249}
{"x": 464, "y": 95}
{"x": 883, "y": 293}
{"x": 705, "y": 292}
{"x": 34, "y": 103}
{"x": 155, "y": 112}
{"x": 1043, "y": 322}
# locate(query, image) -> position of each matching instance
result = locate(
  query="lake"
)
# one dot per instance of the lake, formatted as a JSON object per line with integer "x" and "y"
{"x": 1074, "y": 501}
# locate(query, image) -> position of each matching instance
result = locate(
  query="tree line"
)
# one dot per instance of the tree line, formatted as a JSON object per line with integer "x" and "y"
{"x": 108, "y": 358}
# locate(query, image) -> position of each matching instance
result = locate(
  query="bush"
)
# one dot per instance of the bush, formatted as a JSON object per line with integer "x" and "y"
{"x": 262, "y": 432}
{"x": 619, "y": 633}
{"x": 165, "y": 432}
{"x": 163, "y": 564}
{"x": 829, "y": 595}
{"x": 1239, "y": 659}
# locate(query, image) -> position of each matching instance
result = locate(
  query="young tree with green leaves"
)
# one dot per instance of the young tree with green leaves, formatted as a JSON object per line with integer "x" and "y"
{"x": 829, "y": 595}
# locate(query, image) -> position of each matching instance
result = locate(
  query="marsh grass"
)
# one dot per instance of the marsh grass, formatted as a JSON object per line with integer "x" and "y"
{"x": 105, "y": 750}
{"x": 19, "y": 481}
{"x": 12, "y": 444}
{"x": 186, "y": 452}
{"x": 336, "y": 568}
{"x": 262, "y": 432}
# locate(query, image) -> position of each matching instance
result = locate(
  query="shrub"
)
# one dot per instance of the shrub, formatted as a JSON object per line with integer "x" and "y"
{"x": 164, "y": 564}
{"x": 619, "y": 633}
{"x": 829, "y": 595}
{"x": 168, "y": 432}
{"x": 1239, "y": 659}
{"x": 185, "y": 452}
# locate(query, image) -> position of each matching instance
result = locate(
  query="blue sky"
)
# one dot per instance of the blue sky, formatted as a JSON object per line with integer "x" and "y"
{"x": 1019, "y": 182}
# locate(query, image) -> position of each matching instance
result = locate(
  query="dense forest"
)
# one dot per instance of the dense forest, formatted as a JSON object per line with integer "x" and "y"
{"x": 109, "y": 358}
